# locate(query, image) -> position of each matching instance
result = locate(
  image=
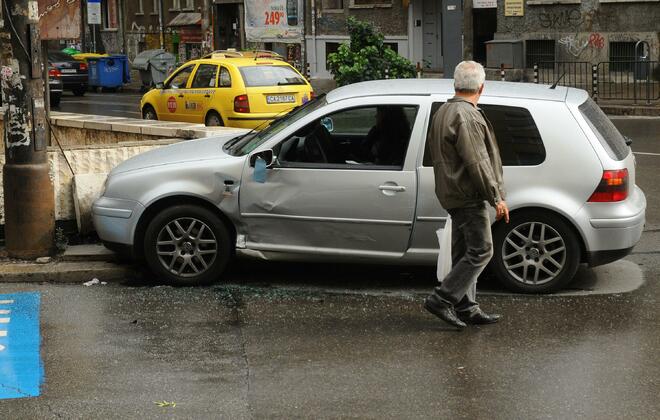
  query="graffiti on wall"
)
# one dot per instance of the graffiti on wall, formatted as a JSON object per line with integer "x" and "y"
{"x": 571, "y": 18}
{"x": 583, "y": 47}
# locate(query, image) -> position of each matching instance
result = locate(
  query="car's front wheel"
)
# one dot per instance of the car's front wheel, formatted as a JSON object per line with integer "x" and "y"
{"x": 537, "y": 252}
{"x": 149, "y": 113}
{"x": 187, "y": 245}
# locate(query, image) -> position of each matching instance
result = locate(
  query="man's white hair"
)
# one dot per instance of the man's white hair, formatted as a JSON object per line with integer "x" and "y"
{"x": 469, "y": 76}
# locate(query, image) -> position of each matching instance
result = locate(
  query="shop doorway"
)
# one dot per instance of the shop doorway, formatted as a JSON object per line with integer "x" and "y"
{"x": 484, "y": 22}
{"x": 228, "y": 27}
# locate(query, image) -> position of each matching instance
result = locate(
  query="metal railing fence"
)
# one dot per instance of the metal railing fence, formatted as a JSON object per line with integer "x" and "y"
{"x": 612, "y": 80}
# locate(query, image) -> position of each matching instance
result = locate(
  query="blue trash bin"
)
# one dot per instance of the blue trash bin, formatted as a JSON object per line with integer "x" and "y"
{"x": 106, "y": 72}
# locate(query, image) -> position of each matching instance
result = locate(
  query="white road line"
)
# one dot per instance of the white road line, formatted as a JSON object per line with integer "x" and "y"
{"x": 3, "y": 333}
{"x": 5, "y": 311}
{"x": 4, "y": 320}
{"x": 6, "y": 302}
{"x": 646, "y": 153}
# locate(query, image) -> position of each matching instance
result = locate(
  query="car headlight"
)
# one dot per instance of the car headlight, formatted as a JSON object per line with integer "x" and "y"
{"x": 105, "y": 185}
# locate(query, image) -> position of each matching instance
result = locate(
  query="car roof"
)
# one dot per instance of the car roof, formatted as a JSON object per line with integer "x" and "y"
{"x": 427, "y": 87}
{"x": 242, "y": 61}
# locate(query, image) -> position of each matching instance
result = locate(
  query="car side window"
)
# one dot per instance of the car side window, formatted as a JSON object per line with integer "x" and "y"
{"x": 517, "y": 135}
{"x": 225, "y": 77}
{"x": 180, "y": 78}
{"x": 205, "y": 76}
{"x": 370, "y": 137}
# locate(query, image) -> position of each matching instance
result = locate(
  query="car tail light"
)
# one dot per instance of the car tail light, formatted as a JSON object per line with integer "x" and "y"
{"x": 312, "y": 95}
{"x": 83, "y": 66}
{"x": 54, "y": 73}
{"x": 241, "y": 104}
{"x": 613, "y": 187}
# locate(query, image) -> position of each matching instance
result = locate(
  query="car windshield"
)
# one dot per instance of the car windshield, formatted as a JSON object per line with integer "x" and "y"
{"x": 252, "y": 140}
{"x": 59, "y": 56}
{"x": 255, "y": 76}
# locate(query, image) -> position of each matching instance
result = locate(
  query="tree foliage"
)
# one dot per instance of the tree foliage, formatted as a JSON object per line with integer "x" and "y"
{"x": 366, "y": 57}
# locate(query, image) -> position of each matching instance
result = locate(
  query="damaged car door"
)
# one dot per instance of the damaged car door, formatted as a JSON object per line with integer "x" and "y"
{"x": 343, "y": 184}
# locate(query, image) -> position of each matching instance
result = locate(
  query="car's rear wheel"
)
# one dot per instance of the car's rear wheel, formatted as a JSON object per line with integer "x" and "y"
{"x": 213, "y": 119}
{"x": 536, "y": 252}
{"x": 187, "y": 245}
{"x": 80, "y": 90}
{"x": 149, "y": 113}
{"x": 55, "y": 99}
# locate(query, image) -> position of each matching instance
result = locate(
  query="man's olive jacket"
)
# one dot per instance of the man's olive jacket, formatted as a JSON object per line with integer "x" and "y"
{"x": 466, "y": 159}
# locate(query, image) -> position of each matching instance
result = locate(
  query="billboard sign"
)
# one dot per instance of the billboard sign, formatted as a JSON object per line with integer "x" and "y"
{"x": 59, "y": 19}
{"x": 273, "y": 20}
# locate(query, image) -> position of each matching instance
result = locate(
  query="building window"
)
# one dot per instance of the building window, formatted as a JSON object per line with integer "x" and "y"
{"x": 189, "y": 5}
{"x": 621, "y": 56}
{"x": 109, "y": 12}
{"x": 370, "y": 3}
{"x": 140, "y": 8}
{"x": 156, "y": 9}
{"x": 330, "y": 47}
{"x": 394, "y": 46}
{"x": 541, "y": 52}
{"x": 332, "y": 5}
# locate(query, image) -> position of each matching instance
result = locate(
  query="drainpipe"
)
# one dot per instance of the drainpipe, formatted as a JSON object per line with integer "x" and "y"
{"x": 314, "y": 48}
{"x": 161, "y": 29}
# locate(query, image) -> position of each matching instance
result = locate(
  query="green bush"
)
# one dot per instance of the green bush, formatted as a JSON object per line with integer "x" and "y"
{"x": 366, "y": 57}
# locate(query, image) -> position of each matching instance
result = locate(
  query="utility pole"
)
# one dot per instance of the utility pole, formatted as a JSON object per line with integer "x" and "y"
{"x": 207, "y": 28}
{"x": 28, "y": 190}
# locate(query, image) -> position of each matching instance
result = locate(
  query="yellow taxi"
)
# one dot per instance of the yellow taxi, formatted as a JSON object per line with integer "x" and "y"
{"x": 228, "y": 89}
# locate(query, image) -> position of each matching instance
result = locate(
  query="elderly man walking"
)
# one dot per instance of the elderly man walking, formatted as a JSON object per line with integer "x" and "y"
{"x": 468, "y": 173}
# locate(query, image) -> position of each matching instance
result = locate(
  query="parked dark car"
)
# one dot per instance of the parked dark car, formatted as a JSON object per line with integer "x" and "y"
{"x": 73, "y": 72}
{"x": 55, "y": 86}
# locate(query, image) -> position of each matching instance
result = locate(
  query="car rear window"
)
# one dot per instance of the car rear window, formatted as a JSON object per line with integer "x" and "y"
{"x": 255, "y": 76}
{"x": 608, "y": 135}
{"x": 59, "y": 56}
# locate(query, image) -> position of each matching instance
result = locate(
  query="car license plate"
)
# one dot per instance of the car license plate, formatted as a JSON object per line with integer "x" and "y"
{"x": 280, "y": 99}
{"x": 67, "y": 70}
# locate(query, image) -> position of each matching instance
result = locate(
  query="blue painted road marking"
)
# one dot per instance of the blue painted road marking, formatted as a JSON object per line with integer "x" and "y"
{"x": 21, "y": 369}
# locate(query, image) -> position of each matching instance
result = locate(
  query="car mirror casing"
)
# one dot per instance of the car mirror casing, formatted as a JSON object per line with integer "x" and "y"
{"x": 266, "y": 155}
{"x": 160, "y": 85}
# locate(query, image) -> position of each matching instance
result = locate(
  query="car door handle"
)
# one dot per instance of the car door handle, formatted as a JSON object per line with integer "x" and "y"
{"x": 394, "y": 188}
{"x": 207, "y": 96}
{"x": 181, "y": 95}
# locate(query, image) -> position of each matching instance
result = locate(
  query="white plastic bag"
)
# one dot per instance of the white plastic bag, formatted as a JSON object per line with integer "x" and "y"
{"x": 444, "y": 255}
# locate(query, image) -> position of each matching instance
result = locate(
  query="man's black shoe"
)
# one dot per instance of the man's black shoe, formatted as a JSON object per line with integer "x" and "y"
{"x": 479, "y": 318}
{"x": 444, "y": 311}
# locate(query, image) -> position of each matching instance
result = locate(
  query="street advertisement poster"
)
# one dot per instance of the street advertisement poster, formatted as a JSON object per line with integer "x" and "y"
{"x": 273, "y": 20}
{"x": 484, "y": 4}
{"x": 514, "y": 8}
{"x": 59, "y": 19}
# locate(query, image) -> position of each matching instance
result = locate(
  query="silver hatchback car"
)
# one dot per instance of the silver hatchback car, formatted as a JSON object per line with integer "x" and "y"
{"x": 347, "y": 177}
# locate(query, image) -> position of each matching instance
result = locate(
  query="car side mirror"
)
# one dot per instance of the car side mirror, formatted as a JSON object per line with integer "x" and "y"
{"x": 266, "y": 155}
{"x": 160, "y": 85}
{"x": 328, "y": 124}
{"x": 628, "y": 141}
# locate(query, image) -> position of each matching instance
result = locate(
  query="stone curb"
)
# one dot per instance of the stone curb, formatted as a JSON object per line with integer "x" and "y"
{"x": 66, "y": 272}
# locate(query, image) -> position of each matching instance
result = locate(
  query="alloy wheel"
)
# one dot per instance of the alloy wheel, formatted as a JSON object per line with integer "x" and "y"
{"x": 186, "y": 247}
{"x": 534, "y": 253}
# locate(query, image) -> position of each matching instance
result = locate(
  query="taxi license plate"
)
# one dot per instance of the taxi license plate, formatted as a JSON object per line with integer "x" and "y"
{"x": 280, "y": 99}
{"x": 67, "y": 70}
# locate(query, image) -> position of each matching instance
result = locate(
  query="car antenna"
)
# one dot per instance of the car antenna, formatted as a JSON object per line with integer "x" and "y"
{"x": 554, "y": 85}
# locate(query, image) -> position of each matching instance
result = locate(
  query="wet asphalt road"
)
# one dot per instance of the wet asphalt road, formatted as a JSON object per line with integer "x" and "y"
{"x": 328, "y": 341}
